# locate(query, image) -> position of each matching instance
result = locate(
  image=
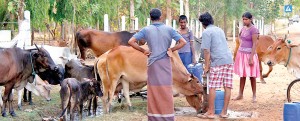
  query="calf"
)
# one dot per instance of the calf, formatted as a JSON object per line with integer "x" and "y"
{"x": 73, "y": 92}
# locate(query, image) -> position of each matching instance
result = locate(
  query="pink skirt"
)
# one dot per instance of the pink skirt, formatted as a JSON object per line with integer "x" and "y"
{"x": 242, "y": 67}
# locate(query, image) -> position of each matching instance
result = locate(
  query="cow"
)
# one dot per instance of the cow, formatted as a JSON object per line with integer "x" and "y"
{"x": 128, "y": 65}
{"x": 74, "y": 93}
{"x": 100, "y": 42}
{"x": 284, "y": 53}
{"x": 60, "y": 56}
{"x": 263, "y": 43}
{"x": 75, "y": 69}
{"x": 19, "y": 66}
{"x": 38, "y": 87}
{"x": 52, "y": 77}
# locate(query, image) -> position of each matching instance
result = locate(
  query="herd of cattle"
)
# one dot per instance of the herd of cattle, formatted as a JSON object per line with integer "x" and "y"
{"x": 116, "y": 67}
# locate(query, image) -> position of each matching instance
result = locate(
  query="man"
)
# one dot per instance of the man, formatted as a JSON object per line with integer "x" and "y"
{"x": 218, "y": 63}
{"x": 159, "y": 86}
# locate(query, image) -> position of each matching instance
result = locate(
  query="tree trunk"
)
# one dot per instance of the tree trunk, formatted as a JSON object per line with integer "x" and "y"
{"x": 169, "y": 12}
{"x": 225, "y": 23}
{"x": 62, "y": 31}
{"x": 199, "y": 11}
{"x": 187, "y": 9}
{"x": 132, "y": 15}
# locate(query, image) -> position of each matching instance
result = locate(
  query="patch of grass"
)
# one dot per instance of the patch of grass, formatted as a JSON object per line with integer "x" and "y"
{"x": 120, "y": 112}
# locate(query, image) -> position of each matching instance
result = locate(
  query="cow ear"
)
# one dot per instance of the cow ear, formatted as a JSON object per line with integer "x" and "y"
{"x": 35, "y": 55}
{"x": 192, "y": 76}
{"x": 91, "y": 83}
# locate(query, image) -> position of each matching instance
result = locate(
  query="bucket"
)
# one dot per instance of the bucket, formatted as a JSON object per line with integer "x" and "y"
{"x": 291, "y": 111}
{"x": 219, "y": 101}
{"x": 196, "y": 70}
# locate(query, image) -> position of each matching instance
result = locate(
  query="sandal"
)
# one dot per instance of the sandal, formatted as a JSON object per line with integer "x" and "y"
{"x": 224, "y": 116}
{"x": 205, "y": 116}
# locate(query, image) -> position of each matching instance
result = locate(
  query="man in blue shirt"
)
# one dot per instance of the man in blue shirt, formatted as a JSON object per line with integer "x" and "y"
{"x": 218, "y": 63}
{"x": 159, "y": 85}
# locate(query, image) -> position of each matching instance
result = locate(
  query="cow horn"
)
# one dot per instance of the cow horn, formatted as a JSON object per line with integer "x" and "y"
{"x": 37, "y": 47}
{"x": 285, "y": 36}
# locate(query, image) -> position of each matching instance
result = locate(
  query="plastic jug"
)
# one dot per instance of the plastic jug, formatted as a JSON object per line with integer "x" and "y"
{"x": 196, "y": 70}
{"x": 219, "y": 101}
{"x": 291, "y": 111}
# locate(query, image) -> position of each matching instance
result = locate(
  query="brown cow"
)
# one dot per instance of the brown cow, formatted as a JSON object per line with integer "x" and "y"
{"x": 74, "y": 93}
{"x": 100, "y": 42}
{"x": 128, "y": 65}
{"x": 263, "y": 43}
{"x": 19, "y": 65}
{"x": 280, "y": 52}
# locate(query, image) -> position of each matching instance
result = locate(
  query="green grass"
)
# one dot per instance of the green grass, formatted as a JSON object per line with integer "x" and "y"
{"x": 120, "y": 112}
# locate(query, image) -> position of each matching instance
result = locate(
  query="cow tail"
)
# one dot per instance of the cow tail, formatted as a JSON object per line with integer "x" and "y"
{"x": 96, "y": 70}
{"x": 107, "y": 74}
{"x": 63, "y": 112}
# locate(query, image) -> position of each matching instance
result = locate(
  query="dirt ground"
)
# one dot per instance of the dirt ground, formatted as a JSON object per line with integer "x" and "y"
{"x": 270, "y": 99}
{"x": 270, "y": 96}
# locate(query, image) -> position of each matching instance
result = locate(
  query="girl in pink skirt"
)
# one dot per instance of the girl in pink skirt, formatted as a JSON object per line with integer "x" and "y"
{"x": 246, "y": 60}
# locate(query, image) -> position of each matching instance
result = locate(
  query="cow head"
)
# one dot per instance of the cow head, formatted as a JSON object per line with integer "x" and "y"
{"x": 278, "y": 52}
{"x": 40, "y": 88}
{"x": 198, "y": 103}
{"x": 94, "y": 86}
{"x": 42, "y": 60}
{"x": 53, "y": 77}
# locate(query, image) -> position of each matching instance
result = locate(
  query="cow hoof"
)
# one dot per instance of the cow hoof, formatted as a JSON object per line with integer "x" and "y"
{"x": 25, "y": 100}
{"x": 19, "y": 107}
{"x": 13, "y": 114}
{"x": 31, "y": 103}
{"x": 130, "y": 108}
{"x": 4, "y": 114}
{"x": 110, "y": 109}
{"x": 119, "y": 100}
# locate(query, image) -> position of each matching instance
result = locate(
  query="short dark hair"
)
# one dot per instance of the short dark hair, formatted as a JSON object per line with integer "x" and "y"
{"x": 182, "y": 17}
{"x": 155, "y": 14}
{"x": 206, "y": 19}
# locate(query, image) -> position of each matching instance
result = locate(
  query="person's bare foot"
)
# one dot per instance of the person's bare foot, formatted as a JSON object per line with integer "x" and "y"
{"x": 254, "y": 99}
{"x": 238, "y": 97}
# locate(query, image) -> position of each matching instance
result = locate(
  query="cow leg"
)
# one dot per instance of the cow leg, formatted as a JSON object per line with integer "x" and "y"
{"x": 72, "y": 107}
{"x": 30, "y": 98}
{"x": 25, "y": 95}
{"x": 89, "y": 106}
{"x": 95, "y": 105}
{"x": 1, "y": 102}
{"x": 261, "y": 69}
{"x": 20, "y": 93}
{"x": 7, "y": 93}
{"x": 267, "y": 74}
{"x": 112, "y": 92}
{"x": 10, "y": 103}
{"x": 80, "y": 110}
{"x": 125, "y": 85}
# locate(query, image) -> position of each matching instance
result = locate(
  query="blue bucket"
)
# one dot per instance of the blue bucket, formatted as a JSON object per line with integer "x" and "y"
{"x": 196, "y": 70}
{"x": 291, "y": 111}
{"x": 219, "y": 101}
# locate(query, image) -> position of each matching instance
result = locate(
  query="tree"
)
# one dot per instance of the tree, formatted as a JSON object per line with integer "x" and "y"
{"x": 132, "y": 15}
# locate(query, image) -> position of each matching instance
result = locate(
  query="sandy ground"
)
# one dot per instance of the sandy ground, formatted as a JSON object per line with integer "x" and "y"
{"x": 270, "y": 96}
